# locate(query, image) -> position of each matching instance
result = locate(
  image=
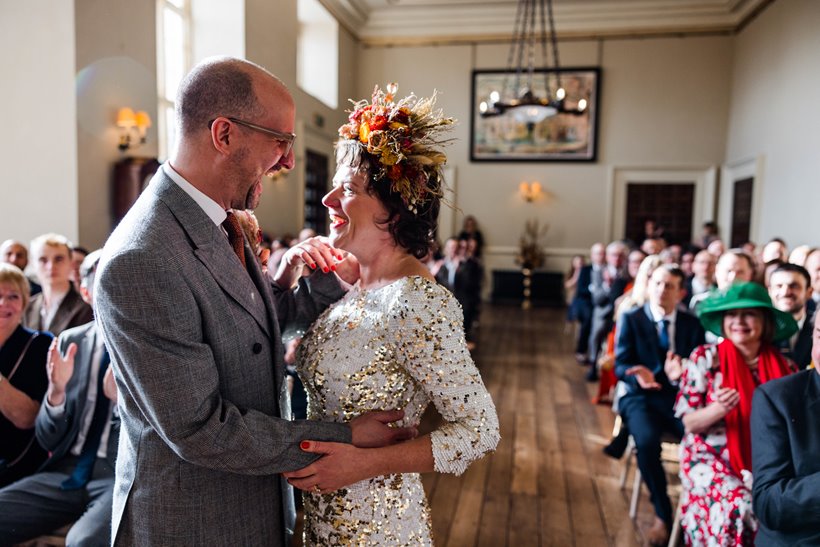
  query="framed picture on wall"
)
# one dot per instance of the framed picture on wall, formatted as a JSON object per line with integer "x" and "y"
{"x": 564, "y": 136}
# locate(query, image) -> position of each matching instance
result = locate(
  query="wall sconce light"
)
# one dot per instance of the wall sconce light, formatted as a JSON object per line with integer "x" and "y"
{"x": 132, "y": 126}
{"x": 530, "y": 191}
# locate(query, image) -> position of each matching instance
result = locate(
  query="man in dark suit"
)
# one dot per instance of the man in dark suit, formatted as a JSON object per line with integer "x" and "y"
{"x": 607, "y": 284}
{"x": 703, "y": 276}
{"x": 583, "y": 301}
{"x": 59, "y": 306}
{"x": 785, "y": 426}
{"x": 651, "y": 343}
{"x": 790, "y": 289}
{"x": 189, "y": 319}
{"x": 461, "y": 274}
{"x": 16, "y": 253}
{"x": 76, "y": 425}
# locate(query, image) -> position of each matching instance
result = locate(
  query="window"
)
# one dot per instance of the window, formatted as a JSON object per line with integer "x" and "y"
{"x": 317, "y": 59}
{"x": 173, "y": 62}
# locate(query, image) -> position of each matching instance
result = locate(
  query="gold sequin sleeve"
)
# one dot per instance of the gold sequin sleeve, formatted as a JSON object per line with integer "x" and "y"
{"x": 431, "y": 347}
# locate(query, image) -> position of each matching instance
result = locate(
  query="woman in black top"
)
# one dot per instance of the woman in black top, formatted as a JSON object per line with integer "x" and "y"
{"x": 23, "y": 380}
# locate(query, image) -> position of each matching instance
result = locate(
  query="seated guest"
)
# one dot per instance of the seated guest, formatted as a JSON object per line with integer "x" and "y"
{"x": 462, "y": 275}
{"x": 799, "y": 254}
{"x": 14, "y": 252}
{"x": 606, "y": 286}
{"x": 813, "y": 267}
{"x": 785, "y": 446}
{"x": 734, "y": 266}
{"x": 651, "y": 342}
{"x": 715, "y": 404}
{"x": 703, "y": 276}
{"x": 790, "y": 291}
{"x": 60, "y": 305}
{"x": 775, "y": 249}
{"x": 470, "y": 230}
{"x": 633, "y": 295}
{"x": 78, "y": 254}
{"x": 23, "y": 379}
{"x": 716, "y": 247}
{"x": 582, "y": 301}
{"x": 687, "y": 258}
{"x": 75, "y": 424}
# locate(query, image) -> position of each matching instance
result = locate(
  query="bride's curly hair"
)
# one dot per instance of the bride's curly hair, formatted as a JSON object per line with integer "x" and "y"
{"x": 414, "y": 232}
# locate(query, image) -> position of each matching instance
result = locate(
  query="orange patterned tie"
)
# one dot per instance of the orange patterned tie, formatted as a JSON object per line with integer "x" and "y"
{"x": 235, "y": 236}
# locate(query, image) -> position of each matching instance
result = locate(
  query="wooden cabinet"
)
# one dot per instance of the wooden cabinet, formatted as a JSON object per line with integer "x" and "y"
{"x": 131, "y": 175}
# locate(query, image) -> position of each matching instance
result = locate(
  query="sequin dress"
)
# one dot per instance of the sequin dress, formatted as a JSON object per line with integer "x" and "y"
{"x": 398, "y": 346}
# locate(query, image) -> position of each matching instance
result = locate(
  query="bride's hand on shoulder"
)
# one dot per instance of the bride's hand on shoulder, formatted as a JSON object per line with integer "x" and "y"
{"x": 316, "y": 253}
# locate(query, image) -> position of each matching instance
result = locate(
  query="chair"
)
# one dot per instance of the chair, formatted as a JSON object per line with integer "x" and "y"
{"x": 670, "y": 453}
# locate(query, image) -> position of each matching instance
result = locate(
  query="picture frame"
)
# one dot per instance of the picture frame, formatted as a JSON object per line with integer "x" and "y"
{"x": 564, "y": 137}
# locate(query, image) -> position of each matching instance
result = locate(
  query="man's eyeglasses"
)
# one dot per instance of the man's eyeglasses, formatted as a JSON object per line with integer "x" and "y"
{"x": 286, "y": 138}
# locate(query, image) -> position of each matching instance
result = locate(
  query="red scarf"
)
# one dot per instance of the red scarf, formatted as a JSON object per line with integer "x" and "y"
{"x": 736, "y": 375}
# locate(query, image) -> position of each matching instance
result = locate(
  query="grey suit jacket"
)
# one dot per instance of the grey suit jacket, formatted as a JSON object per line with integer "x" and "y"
{"x": 59, "y": 435}
{"x": 72, "y": 312}
{"x": 196, "y": 349}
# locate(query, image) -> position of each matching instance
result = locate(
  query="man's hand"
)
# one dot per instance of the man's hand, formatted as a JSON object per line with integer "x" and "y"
{"x": 59, "y": 370}
{"x": 644, "y": 377}
{"x": 110, "y": 385}
{"x": 372, "y": 430}
{"x": 340, "y": 465}
{"x": 673, "y": 367}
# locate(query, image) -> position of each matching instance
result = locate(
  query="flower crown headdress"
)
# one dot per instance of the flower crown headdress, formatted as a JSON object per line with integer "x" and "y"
{"x": 403, "y": 137}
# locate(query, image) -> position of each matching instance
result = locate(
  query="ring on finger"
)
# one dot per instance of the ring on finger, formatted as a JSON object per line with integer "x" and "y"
{"x": 317, "y": 489}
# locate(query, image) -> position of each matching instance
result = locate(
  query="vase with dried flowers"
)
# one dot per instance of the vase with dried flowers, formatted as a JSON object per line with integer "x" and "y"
{"x": 531, "y": 255}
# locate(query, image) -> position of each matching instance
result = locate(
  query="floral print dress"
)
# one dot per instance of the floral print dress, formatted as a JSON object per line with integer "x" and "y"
{"x": 716, "y": 504}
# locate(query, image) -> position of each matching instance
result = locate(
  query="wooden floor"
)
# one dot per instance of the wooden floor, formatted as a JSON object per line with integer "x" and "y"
{"x": 548, "y": 483}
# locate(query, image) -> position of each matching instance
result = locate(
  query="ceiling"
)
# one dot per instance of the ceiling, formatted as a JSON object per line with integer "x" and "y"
{"x": 402, "y": 22}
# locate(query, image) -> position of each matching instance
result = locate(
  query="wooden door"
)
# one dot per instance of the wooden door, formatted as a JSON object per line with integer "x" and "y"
{"x": 671, "y": 205}
{"x": 316, "y": 177}
{"x": 741, "y": 211}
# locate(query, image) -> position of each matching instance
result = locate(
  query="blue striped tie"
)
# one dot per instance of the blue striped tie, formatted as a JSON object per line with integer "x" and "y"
{"x": 88, "y": 456}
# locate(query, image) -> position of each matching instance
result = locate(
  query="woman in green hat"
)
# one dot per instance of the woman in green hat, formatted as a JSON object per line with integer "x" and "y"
{"x": 715, "y": 402}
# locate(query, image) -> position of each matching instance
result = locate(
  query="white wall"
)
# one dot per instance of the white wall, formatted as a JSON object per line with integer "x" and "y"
{"x": 664, "y": 104}
{"x": 38, "y": 149}
{"x": 219, "y": 28}
{"x": 774, "y": 120}
{"x": 116, "y": 66}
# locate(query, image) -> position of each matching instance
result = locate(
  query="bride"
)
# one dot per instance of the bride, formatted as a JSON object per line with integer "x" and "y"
{"x": 395, "y": 340}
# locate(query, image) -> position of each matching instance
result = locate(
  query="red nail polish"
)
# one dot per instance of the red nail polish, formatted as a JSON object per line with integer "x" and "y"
{"x": 333, "y": 267}
{"x": 324, "y": 269}
{"x": 304, "y": 445}
{"x": 312, "y": 266}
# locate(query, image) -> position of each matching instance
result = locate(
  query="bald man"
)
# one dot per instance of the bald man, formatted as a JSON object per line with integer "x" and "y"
{"x": 193, "y": 331}
{"x": 14, "y": 252}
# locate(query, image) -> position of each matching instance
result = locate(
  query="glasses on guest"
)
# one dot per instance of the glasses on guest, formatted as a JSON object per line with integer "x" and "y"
{"x": 282, "y": 137}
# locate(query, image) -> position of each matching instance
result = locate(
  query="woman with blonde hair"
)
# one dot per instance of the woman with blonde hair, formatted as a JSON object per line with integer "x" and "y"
{"x": 23, "y": 380}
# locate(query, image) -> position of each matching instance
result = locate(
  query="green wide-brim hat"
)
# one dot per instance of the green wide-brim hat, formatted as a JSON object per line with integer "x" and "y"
{"x": 740, "y": 296}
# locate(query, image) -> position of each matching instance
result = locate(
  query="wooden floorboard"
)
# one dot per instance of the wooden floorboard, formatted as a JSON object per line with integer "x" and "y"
{"x": 548, "y": 483}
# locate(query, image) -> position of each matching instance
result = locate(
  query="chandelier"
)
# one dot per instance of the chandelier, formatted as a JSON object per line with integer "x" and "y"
{"x": 518, "y": 96}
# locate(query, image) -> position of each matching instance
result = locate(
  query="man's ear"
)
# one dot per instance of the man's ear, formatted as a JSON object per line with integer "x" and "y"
{"x": 221, "y": 134}
{"x": 85, "y": 294}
